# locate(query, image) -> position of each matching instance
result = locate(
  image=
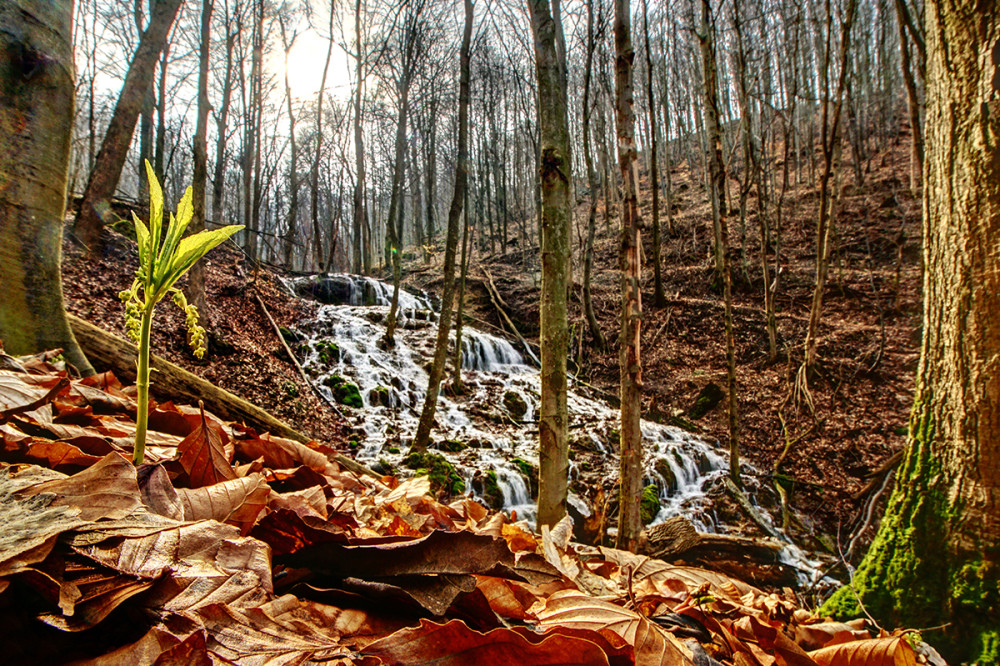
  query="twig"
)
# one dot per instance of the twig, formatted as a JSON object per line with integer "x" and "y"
{"x": 291, "y": 355}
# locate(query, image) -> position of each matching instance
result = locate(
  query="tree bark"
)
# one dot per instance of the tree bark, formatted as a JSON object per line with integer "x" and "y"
{"x": 196, "y": 276}
{"x": 36, "y": 120}
{"x": 717, "y": 182}
{"x": 221, "y": 128}
{"x": 114, "y": 149}
{"x": 659, "y": 299}
{"x": 630, "y": 364}
{"x": 423, "y": 435}
{"x": 554, "y": 166}
{"x": 359, "y": 149}
{"x": 588, "y": 258}
{"x": 936, "y": 558}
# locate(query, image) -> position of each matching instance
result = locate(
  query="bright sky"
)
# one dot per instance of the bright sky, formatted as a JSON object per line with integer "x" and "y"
{"x": 306, "y": 60}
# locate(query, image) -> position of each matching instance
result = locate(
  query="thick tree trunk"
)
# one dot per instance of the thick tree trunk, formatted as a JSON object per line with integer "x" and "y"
{"x": 222, "y": 128}
{"x": 554, "y": 166}
{"x": 36, "y": 117}
{"x": 630, "y": 364}
{"x": 114, "y": 149}
{"x": 936, "y": 558}
{"x": 314, "y": 175}
{"x": 423, "y": 435}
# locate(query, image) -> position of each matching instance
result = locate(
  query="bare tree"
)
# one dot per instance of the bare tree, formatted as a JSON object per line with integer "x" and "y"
{"x": 114, "y": 149}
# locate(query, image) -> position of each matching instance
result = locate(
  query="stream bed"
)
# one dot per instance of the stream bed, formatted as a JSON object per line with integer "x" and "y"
{"x": 490, "y": 432}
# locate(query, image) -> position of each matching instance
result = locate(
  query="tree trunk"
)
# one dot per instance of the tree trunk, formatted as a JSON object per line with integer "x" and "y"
{"x": 95, "y": 206}
{"x": 222, "y": 127}
{"x": 554, "y": 167}
{"x": 629, "y": 521}
{"x": 314, "y": 176}
{"x": 830, "y": 140}
{"x": 36, "y": 112}
{"x": 936, "y": 558}
{"x": 423, "y": 435}
{"x": 717, "y": 182}
{"x": 659, "y": 299}
{"x": 588, "y": 258}
{"x": 196, "y": 277}
{"x": 359, "y": 148}
{"x": 293, "y": 162}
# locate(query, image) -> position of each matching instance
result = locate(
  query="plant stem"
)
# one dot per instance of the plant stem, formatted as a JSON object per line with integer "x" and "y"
{"x": 142, "y": 385}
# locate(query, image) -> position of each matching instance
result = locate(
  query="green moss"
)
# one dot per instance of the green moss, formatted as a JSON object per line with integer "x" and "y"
{"x": 393, "y": 449}
{"x": 649, "y": 505}
{"x": 344, "y": 391}
{"x": 441, "y": 473}
{"x": 529, "y": 472}
{"x": 328, "y": 351}
{"x": 452, "y": 445}
{"x": 380, "y": 395}
{"x": 291, "y": 390}
{"x": 909, "y": 576}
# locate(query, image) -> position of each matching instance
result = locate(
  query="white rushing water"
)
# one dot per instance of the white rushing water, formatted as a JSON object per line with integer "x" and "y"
{"x": 491, "y": 431}
{"x": 496, "y": 417}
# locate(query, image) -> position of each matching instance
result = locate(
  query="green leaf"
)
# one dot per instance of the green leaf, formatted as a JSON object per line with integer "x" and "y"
{"x": 155, "y": 206}
{"x": 178, "y": 224}
{"x": 142, "y": 238}
{"x": 190, "y": 250}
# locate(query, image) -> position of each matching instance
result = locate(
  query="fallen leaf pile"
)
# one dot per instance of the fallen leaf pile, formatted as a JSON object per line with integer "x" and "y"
{"x": 232, "y": 546}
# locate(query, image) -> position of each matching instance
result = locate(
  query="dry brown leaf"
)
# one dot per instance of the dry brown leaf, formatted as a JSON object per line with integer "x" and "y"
{"x": 280, "y": 453}
{"x": 205, "y": 562}
{"x": 21, "y": 393}
{"x": 455, "y": 644}
{"x": 252, "y": 636}
{"x": 107, "y": 489}
{"x": 892, "y": 651}
{"x": 669, "y": 578}
{"x": 203, "y": 457}
{"x": 824, "y": 634}
{"x": 238, "y": 501}
{"x": 652, "y": 644}
{"x": 158, "y": 493}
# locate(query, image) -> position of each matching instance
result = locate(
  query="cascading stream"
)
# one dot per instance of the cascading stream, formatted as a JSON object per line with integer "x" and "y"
{"x": 490, "y": 433}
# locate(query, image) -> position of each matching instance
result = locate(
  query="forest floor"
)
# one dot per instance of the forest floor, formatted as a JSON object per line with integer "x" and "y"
{"x": 868, "y": 347}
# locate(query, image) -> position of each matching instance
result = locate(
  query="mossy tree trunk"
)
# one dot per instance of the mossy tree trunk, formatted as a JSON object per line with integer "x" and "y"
{"x": 554, "y": 172}
{"x": 936, "y": 558}
{"x": 630, "y": 363}
{"x": 588, "y": 258}
{"x": 36, "y": 119}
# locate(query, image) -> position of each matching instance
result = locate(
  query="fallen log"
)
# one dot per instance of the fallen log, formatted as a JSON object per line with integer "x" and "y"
{"x": 174, "y": 382}
{"x": 757, "y": 561}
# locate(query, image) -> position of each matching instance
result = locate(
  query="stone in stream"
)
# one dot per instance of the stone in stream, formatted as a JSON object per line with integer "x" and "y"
{"x": 515, "y": 404}
{"x": 707, "y": 400}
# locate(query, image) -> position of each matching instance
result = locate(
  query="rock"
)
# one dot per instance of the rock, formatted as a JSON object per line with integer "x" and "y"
{"x": 486, "y": 487}
{"x": 666, "y": 472}
{"x": 529, "y": 472}
{"x": 344, "y": 391}
{"x": 649, "y": 505}
{"x": 381, "y": 396}
{"x": 707, "y": 400}
{"x": 435, "y": 467}
{"x": 515, "y": 404}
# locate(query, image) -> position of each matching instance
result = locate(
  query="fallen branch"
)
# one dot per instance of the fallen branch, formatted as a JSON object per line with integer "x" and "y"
{"x": 291, "y": 355}
{"x": 755, "y": 560}
{"x": 176, "y": 383}
{"x": 498, "y": 304}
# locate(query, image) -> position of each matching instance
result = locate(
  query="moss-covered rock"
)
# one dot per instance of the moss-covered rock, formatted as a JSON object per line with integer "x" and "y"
{"x": 344, "y": 391}
{"x": 515, "y": 404}
{"x": 328, "y": 352}
{"x": 707, "y": 400}
{"x": 435, "y": 467}
{"x": 451, "y": 445}
{"x": 486, "y": 486}
{"x": 529, "y": 472}
{"x": 649, "y": 505}
{"x": 380, "y": 395}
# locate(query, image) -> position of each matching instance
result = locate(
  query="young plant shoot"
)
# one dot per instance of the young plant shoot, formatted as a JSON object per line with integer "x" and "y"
{"x": 160, "y": 266}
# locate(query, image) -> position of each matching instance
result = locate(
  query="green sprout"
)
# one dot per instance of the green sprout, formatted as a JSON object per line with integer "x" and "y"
{"x": 160, "y": 266}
